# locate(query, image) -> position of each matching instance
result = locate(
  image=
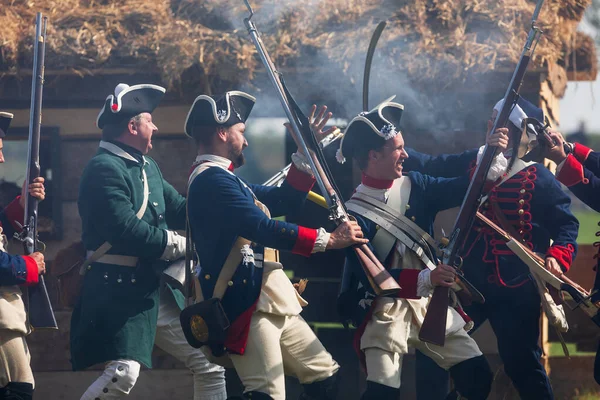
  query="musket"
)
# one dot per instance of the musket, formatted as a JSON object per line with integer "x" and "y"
{"x": 380, "y": 279}
{"x": 580, "y": 296}
{"x": 434, "y": 326}
{"x": 279, "y": 177}
{"x": 40, "y": 311}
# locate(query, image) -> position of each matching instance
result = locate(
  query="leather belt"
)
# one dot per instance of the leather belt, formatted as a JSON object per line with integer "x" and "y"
{"x": 123, "y": 261}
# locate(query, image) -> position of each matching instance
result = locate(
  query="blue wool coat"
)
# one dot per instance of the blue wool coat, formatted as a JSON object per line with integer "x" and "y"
{"x": 539, "y": 210}
{"x": 581, "y": 174}
{"x": 221, "y": 208}
{"x": 442, "y": 166}
{"x": 428, "y": 196}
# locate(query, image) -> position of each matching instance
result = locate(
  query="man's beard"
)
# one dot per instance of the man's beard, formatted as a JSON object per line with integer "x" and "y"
{"x": 237, "y": 159}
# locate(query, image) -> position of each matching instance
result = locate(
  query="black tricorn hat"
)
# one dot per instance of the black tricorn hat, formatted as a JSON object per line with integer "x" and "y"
{"x": 129, "y": 101}
{"x": 381, "y": 123}
{"x": 5, "y": 120}
{"x": 222, "y": 110}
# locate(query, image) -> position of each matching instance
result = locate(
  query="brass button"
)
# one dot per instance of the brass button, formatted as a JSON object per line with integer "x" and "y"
{"x": 522, "y": 191}
{"x": 522, "y": 222}
{"x": 160, "y": 217}
{"x": 408, "y": 206}
{"x": 155, "y": 204}
{"x": 521, "y": 232}
{"x": 119, "y": 280}
{"x": 413, "y": 218}
{"x": 245, "y": 281}
{"x": 292, "y": 232}
{"x": 283, "y": 230}
{"x": 521, "y": 212}
{"x": 377, "y": 227}
{"x": 486, "y": 204}
{"x": 230, "y": 283}
{"x": 207, "y": 276}
{"x": 89, "y": 267}
{"x": 521, "y": 201}
{"x": 133, "y": 280}
{"x": 105, "y": 275}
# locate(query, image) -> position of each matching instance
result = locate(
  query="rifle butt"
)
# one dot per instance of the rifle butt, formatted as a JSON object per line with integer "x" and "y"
{"x": 41, "y": 315}
{"x": 433, "y": 329}
{"x": 382, "y": 282}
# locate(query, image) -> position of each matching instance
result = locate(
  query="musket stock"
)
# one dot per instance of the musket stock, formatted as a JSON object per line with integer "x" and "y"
{"x": 302, "y": 134}
{"x": 431, "y": 330}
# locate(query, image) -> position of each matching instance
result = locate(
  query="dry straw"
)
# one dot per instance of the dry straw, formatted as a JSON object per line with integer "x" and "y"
{"x": 204, "y": 41}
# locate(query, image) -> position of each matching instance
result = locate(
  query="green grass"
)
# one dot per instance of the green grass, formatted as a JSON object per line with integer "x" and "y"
{"x": 588, "y": 226}
{"x": 557, "y": 351}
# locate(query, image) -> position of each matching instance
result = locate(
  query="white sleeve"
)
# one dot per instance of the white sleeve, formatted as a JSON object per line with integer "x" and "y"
{"x": 301, "y": 163}
{"x": 424, "y": 286}
{"x": 322, "y": 240}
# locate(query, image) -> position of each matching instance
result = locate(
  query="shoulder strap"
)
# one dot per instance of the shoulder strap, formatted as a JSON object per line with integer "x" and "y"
{"x": 105, "y": 247}
{"x": 390, "y": 224}
{"x": 412, "y": 229}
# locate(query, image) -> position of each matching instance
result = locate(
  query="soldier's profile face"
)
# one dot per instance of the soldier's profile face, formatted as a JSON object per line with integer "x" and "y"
{"x": 391, "y": 157}
{"x": 236, "y": 142}
{"x": 145, "y": 129}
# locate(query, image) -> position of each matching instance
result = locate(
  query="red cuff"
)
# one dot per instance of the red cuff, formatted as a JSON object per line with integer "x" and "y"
{"x": 571, "y": 173}
{"x": 305, "y": 242}
{"x": 299, "y": 180}
{"x": 407, "y": 280}
{"x": 581, "y": 152}
{"x": 14, "y": 212}
{"x": 564, "y": 255}
{"x": 32, "y": 271}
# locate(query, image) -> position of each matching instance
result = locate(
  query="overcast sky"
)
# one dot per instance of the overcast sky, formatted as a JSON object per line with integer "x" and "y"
{"x": 581, "y": 101}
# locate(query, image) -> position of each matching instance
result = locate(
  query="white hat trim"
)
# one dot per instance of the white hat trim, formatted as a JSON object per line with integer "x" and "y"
{"x": 387, "y": 132}
{"x": 6, "y": 114}
{"x": 517, "y": 115}
{"x": 122, "y": 93}
{"x": 221, "y": 116}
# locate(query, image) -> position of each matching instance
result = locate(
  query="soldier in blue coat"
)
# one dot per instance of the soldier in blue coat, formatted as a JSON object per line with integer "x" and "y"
{"x": 267, "y": 337}
{"x": 130, "y": 215}
{"x": 579, "y": 170}
{"x": 389, "y": 325}
{"x": 526, "y": 199}
{"x": 16, "y": 377}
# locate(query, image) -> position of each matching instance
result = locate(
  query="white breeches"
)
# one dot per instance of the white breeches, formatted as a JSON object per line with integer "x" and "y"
{"x": 209, "y": 379}
{"x": 278, "y": 346}
{"x": 14, "y": 358}
{"x": 385, "y": 366}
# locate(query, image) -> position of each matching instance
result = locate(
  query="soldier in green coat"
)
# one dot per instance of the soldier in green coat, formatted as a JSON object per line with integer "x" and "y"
{"x": 129, "y": 216}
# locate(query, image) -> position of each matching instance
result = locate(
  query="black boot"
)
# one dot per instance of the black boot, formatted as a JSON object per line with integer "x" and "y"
{"x": 472, "y": 378}
{"x": 17, "y": 391}
{"x": 321, "y": 390}
{"x": 377, "y": 391}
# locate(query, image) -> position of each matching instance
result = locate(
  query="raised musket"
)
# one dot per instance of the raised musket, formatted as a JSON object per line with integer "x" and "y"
{"x": 40, "y": 313}
{"x": 380, "y": 279}
{"x": 434, "y": 326}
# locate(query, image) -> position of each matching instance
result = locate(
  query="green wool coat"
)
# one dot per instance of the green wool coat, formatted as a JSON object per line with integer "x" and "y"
{"x": 116, "y": 315}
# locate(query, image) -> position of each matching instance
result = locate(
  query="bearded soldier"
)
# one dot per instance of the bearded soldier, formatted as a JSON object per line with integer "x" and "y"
{"x": 16, "y": 378}
{"x": 129, "y": 215}
{"x": 383, "y": 203}
{"x": 525, "y": 199}
{"x": 232, "y": 220}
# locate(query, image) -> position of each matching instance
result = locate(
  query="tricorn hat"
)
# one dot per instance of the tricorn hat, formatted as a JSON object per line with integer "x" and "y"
{"x": 522, "y": 110}
{"x": 222, "y": 110}
{"x": 5, "y": 120}
{"x": 382, "y": 122}
{"x": 129, "y": 101}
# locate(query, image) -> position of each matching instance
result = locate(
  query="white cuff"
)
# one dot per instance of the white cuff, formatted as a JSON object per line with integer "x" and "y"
{"x": 322, "y": 240}
{"x": 424, "y": 286}
{"x": 499, "y": 165}
{"x": 175, "y": 247}
{"x": 301, "y": 163}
